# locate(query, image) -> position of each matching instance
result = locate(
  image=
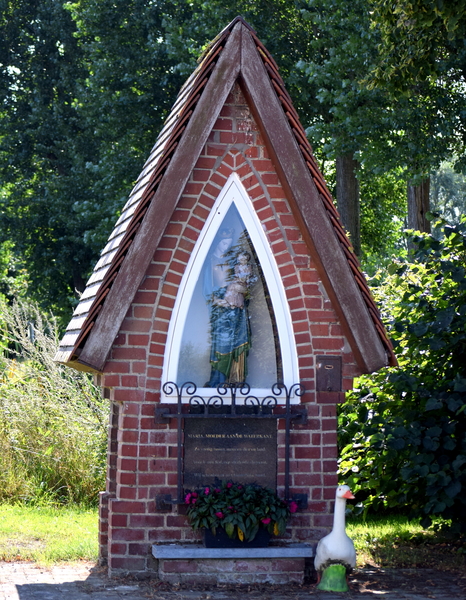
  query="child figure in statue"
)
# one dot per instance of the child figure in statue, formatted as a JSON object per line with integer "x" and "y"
{"x": 238, "y": 288}
{"x": 226, "y": 289}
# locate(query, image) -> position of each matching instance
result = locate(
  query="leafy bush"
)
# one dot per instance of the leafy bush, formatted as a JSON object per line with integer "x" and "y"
{"x": 240, "y": 509}
{"x": 403, "y": 433}
{"x": 53, "y": 420}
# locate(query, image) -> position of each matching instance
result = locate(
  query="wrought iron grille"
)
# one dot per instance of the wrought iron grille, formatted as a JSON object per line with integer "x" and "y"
{"x": 231, "y": 401}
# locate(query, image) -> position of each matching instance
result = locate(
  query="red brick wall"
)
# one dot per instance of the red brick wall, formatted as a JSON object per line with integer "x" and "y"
{"x": 146, "y": 453}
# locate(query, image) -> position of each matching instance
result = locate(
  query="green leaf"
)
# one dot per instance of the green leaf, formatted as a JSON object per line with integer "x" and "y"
{"x": 253, "y": 533}
{"x": 443, "y": 319}
{"x": 434, "y": 431}
{"x": 453, "y": 489}
{"x": 460, "y": 384}
{"x": 436, "y": 343}
{"x": 439, "y": 507}
{"x": 230, "y": 529}
{"x": 433, "y": 404}
{"x": 459, "y": 462}
{"x": 449, "y": 444}
{"x": 429, "y": 444}
{"x": 418, "y": 329}
{"x": 396, "y": 444}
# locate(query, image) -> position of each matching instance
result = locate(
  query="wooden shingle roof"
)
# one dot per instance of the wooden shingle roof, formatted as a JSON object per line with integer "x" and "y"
{"x": 235, "y": 55}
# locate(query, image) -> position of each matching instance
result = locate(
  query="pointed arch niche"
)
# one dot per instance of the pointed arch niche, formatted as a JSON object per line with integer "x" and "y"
{"x": 231, "y": 303}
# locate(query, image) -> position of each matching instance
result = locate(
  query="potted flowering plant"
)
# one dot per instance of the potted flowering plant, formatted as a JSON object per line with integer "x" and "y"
{"x": 242, "y": 511}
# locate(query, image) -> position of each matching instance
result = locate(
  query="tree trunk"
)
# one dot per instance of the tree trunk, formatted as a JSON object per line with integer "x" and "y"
{"x": 348, "y": 198}
{"x": 418, "y": 206}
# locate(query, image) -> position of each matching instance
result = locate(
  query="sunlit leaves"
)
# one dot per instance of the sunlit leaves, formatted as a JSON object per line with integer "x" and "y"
{"x": 407, "y": 447}
{"x": 418, "y": 38}
{"x": 85, "y": 87}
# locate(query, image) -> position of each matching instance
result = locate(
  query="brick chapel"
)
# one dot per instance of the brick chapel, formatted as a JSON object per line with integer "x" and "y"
{"x": 233, "y": 163}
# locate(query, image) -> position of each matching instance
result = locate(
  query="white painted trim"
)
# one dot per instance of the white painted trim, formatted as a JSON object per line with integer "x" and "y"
{"x": 232, "y": 192}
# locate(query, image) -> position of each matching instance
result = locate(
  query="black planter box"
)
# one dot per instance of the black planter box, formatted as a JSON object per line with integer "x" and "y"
{"x": 221, "y": 539}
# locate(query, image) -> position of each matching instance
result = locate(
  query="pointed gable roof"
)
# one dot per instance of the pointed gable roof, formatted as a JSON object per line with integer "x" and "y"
{"x": 236, "y": 54}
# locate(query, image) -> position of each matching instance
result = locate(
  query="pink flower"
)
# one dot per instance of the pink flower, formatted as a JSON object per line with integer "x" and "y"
{"x": 193, "y": 500}
{"x": 230, "y": 508}
{"x": 187, "y": 498}
{"x": 217, "y": 490}
{"x": 207, "y": 491}
{"x": 240, "y": 487}
{"x": 293, "y": 506}
{"x": 219, "y": 514}
{"x": 229, "y": 485}
{"x": 266, "y": 521}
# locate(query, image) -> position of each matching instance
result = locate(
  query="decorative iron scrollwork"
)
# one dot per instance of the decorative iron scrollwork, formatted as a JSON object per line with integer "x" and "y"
{"x": 224, "y": 404}
{"x": 233, "y": 393}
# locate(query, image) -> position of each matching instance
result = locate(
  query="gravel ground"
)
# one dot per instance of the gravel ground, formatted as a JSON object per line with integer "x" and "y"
{"x": 84, "y": 581}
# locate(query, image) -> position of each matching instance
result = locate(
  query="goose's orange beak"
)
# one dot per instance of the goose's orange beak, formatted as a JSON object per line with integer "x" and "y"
{"x": 349, "y": 495}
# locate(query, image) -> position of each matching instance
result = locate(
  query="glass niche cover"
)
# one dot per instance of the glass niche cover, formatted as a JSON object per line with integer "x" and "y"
{"x": 230, "y": 333}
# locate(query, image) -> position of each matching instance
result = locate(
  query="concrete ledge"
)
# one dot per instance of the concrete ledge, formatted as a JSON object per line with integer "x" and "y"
{"x": 197, "y": 551}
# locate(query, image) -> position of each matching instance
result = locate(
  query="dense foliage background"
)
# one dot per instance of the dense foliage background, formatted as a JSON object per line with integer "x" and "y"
{"x": 85, "y": 86}
{"x": 403, "y": 432}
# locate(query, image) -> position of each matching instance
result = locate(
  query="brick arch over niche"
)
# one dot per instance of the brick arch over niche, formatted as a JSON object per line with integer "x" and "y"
{"x": 235, "y": 148}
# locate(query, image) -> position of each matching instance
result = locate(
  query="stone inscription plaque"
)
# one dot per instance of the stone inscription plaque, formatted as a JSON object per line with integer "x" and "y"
{"x": 242, "y": 450}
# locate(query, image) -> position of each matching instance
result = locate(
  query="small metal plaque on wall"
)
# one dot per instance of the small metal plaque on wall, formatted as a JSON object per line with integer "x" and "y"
{"x": 328, "y": 374}
{"x": 242, "y": 450}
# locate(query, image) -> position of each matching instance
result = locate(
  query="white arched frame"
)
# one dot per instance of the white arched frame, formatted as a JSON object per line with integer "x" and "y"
{"x": 232, "y": 193}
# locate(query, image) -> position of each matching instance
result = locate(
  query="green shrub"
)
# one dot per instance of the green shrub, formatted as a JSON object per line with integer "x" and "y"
{"x": 403, "y": 433}
{"x": 239, "y": 509}
{"x": 53, "y": 421}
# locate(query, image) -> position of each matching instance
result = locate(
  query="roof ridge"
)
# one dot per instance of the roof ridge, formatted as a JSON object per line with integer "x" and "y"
{"x": 224, "y": 34}
{"x": 196, "y": 85}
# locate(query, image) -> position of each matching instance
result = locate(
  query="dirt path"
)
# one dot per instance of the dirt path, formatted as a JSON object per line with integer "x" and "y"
{"x": 85, "y": 581}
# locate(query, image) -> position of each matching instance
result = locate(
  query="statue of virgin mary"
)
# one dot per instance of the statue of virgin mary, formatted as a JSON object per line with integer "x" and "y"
{"x": 227, "y": 277}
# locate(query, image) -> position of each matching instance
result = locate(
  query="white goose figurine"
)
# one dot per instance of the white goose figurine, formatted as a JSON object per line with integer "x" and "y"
{"x": 335, "y": 553}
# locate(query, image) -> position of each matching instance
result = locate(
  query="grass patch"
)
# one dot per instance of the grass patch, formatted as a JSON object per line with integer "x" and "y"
{"x": 47, "y": 535}
{"x": 395, "y": 542}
